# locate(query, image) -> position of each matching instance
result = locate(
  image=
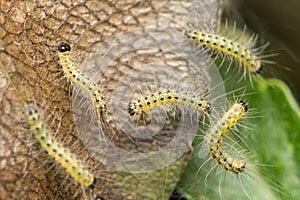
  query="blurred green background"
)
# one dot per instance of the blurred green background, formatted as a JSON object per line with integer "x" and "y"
{"x": 278, "y": 22}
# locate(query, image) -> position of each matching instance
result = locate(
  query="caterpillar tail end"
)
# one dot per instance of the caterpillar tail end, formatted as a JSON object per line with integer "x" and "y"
{"x": 244, "y": 104}
{"x": 93, "y": 184}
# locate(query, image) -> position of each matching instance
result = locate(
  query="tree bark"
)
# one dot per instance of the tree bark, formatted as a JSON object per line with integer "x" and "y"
{"x": 30, "y": 32}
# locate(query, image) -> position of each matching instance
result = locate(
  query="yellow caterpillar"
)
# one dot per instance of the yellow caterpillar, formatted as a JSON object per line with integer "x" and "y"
{"x": 165, "y": 97}
{"x": 243, "y": 55}
{"x": 215, "y": 134}
{"x": 62, "y": 155}
{"x": 78, "y": 78}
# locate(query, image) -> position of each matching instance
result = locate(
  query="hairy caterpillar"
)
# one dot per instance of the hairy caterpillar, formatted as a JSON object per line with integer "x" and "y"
{"x": 247, "y": 57}
{"x": 215, "y": 134}
{"x": 62, "y": 155}
{"x": 80, "y": 79}
{"x": 167, "y": 96}
{"x": 228, "y": 42}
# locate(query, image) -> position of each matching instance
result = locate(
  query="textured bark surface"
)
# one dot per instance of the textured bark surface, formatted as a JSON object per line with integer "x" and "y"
{"x": 30, "y": 32}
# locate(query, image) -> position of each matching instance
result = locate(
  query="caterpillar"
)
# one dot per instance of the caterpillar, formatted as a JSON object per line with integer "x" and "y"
{"x": 215, "y": 134}
{"x": 247, "y": 57}
{"x": 62, "y": 155}
{"x": 78, "y": 78}
{"x": 165, "y": 97}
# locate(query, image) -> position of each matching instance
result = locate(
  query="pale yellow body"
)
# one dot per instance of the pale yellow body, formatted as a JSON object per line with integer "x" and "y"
{"x": 61, "y": 154}
{"x": 166, "y": 97}
{"x": 78, "y": 78}
{"x": 228, "y": 47}
{"x": 216, "y": 134}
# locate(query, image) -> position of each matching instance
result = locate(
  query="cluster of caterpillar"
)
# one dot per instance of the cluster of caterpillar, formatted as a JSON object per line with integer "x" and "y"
{"x": 140, "y": 106}
{"x": 167, "y": 96}
{"x": 243, "y": 55}
{"x": 78, "y": 78}
{"x": 214, "y": 138}
{"x": 218, "y": 44}
{"x": 61, "y": 154}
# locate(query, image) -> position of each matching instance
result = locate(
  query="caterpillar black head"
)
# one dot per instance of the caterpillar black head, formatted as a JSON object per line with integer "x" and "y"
{"x": 259, "y": 70}
{"x": 191, "y": 34}
{"x": 208, "y": 108}
{"x": 64, "y": 47}
{"x": 131, "y": 108}
{"x": 242, "y": 103}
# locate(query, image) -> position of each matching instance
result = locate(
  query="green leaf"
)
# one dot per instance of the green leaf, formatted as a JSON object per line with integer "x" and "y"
{"x": 273, "y": 139}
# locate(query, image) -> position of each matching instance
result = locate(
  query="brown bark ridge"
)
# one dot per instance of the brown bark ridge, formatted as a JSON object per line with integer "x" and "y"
{"x": 30, "y": 32}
